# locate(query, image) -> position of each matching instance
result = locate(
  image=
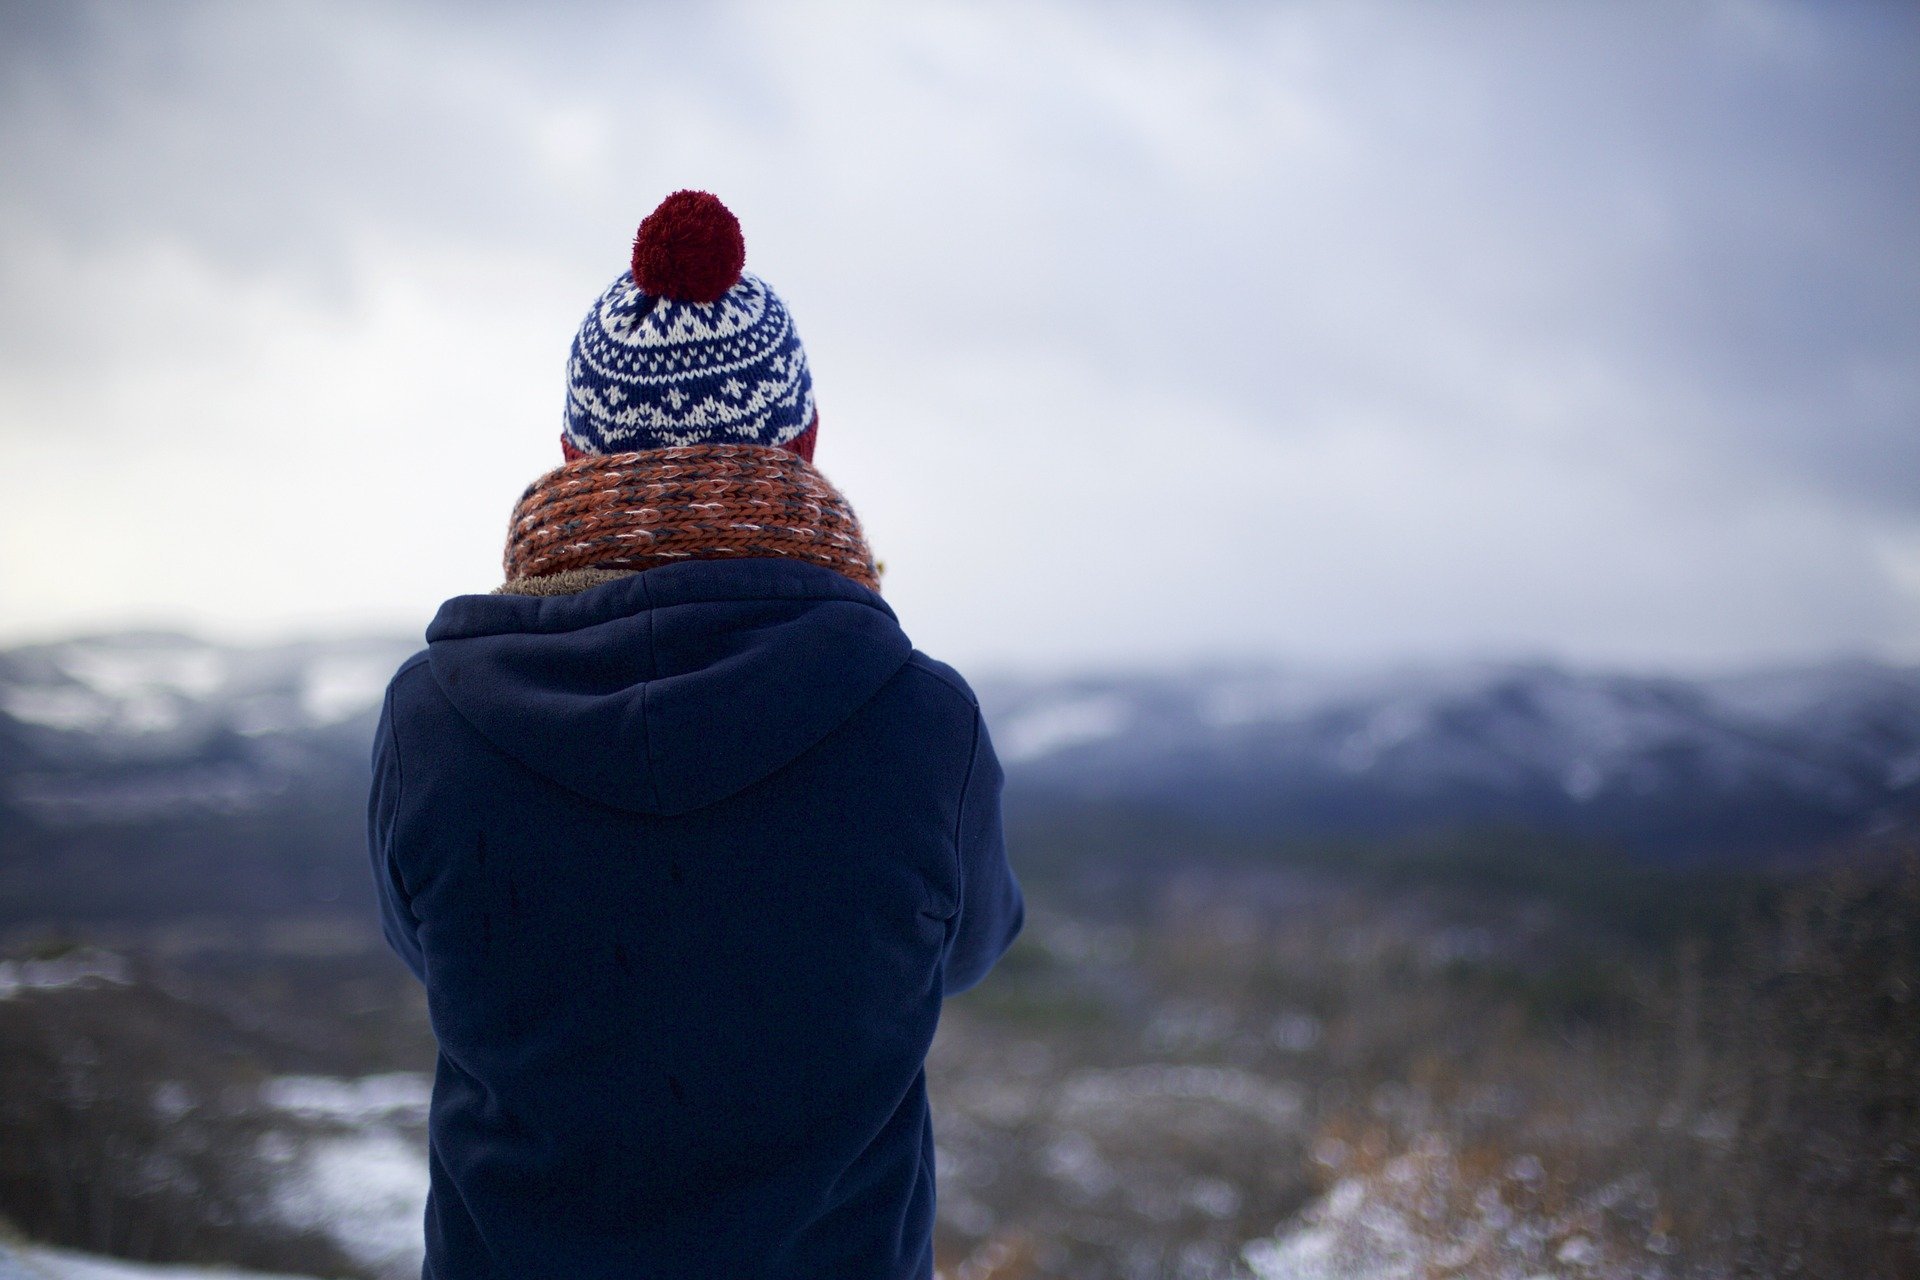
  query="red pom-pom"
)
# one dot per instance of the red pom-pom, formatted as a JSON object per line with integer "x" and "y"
{"x": 689, "y": 249}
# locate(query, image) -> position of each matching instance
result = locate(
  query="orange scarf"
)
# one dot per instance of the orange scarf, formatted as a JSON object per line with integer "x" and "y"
{"x": 693, "y": 502}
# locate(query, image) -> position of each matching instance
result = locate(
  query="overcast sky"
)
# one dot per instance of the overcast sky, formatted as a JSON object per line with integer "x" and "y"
{"x": 1140, "y": 332}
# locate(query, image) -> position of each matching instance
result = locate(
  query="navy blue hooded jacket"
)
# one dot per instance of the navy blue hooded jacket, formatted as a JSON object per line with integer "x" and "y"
{"x": 686, "y": 862}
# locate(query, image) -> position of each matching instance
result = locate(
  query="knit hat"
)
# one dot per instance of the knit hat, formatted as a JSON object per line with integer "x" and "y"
{"x": 686, "y": 348}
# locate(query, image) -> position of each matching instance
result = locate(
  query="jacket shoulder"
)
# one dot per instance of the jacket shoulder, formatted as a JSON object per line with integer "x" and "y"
{"x": 415, "y": 662}
{"x": 931, "y": 667}
{"x": 406, "y": 680}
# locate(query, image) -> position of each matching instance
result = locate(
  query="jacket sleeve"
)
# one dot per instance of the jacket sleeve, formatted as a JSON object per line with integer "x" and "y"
{"x": 383, "y": 802}
{"x": 992, "y": 908}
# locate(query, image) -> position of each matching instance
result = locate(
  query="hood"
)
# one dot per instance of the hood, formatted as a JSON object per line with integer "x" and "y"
{"x": 667, "y": 690}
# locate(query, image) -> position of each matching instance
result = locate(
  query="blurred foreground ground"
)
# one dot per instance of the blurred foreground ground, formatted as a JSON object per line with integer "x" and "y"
{"x": 1226, "y": 1071}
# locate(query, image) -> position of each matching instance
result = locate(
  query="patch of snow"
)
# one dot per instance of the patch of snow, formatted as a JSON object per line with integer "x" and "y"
{"x": 337, "y": 687}
{"x": 78, "y": 709}
{"x": 1295, "y": 1032}
{"x": 1578, "y": 1251}
{"x": 1214, "y": 1197}
{"x": 1786, "y": 695}
{"x": 129, "y": 670}
{"x": 70, "y": 708}
{"x": 1073, "y": 1160}
{"x": 367, "y": 1191}
{"x": 362, "y": 1178}
{"x": 41, "y": 1262}
{"x": 1388, "y": 727}
{"x": 63, "y": 971}
{"x": 1421, "y": 1214}
{"x": 172, "y": 1099}
{"x": 1241, "y": 701}
{"x": 1054, "y": 726}
{"x": 398, "y": 1095}
{"x": 267, "y": 713}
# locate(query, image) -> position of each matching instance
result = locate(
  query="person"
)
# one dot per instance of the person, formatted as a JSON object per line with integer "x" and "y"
{"x": 685, "y": 839}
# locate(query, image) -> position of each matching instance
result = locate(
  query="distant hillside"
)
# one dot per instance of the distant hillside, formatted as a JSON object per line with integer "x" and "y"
{"x": 1746, "y": 764}
{"x": 150, "y": 774}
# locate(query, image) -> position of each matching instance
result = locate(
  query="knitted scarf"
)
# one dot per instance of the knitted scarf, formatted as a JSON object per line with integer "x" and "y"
{"x": 603, "y": 514}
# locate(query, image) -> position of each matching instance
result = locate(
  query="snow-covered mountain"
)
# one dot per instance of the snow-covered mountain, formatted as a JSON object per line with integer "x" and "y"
{"x": 151, "y": 777}
{"x": 138, "y": 728}
{"x": 1765, "y": 759}
{"x": 139, "y": 725}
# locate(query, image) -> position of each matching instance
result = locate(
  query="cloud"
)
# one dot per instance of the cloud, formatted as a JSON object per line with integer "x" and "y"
{"x": 1140, "y": 330}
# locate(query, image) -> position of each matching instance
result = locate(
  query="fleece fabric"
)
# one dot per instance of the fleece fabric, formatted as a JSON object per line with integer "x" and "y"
{"x": 687, "y": 861}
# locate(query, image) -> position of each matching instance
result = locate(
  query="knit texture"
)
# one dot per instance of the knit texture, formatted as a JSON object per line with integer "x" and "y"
{"x": 657, "y": 506}
{"x": 651, "y": 372}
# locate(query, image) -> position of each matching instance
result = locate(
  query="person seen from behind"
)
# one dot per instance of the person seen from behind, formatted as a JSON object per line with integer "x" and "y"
{"x": 683, "y": 836}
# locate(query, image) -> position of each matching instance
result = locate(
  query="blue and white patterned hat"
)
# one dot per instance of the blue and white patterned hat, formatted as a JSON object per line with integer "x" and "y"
{"x": 686, "y": 348}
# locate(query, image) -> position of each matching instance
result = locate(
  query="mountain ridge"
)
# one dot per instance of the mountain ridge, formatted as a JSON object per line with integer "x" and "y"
{"x": 158, "y": 764}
